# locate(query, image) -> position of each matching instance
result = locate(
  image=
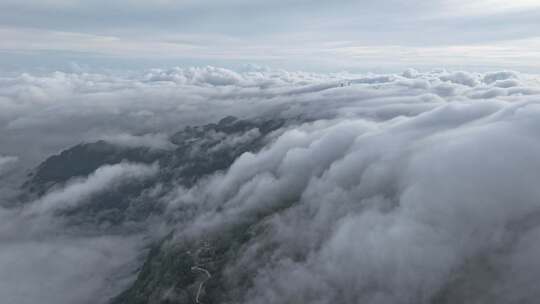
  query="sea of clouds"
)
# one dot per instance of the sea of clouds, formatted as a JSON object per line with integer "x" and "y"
{"x": 407, "y": 188}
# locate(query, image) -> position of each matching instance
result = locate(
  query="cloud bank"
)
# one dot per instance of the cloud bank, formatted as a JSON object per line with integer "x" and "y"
{"x": 409, "y": 211}
{"x": 401, "y": 188}
{"x": 6, "y": 162}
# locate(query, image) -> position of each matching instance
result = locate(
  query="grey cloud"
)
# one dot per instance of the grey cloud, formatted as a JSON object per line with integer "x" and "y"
{"x": 397, "y": 214}
{"x": 66, "y": 269}
{"x": 97, "y": 105}
{"x": 461, "y": 78}
{"x": 197, "y": 76}
{"x": 383, "y": 189}
{"x": 502, "y": 75}
{"x": 79, "y": 190}
{"x": 386, "y": 211}
{"x": 6, "y": 162}
{"x": 42, "y": 260}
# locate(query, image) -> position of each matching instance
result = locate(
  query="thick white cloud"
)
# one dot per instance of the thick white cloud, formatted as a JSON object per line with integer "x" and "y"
{"x": 390, "y": 212}
{"x": 397, "y": 183}
{"x": 75, "y": 107}
{"x": 403, "y": 208}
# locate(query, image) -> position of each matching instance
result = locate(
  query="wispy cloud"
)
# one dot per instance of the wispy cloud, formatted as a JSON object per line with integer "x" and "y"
{"x": 288, "y": 34}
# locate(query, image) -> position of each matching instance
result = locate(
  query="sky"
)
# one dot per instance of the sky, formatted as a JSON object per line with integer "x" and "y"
{"x": 311, "y": 35}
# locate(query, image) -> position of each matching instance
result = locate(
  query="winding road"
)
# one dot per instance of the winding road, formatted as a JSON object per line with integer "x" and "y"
{"x": 202, "y": 283}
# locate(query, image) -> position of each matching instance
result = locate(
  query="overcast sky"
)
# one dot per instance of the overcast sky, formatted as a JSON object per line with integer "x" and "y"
{"x": 316, "y": 35}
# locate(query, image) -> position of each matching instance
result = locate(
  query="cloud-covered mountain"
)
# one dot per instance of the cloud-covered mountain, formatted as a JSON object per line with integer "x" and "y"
{"x": 205, "y": 185}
